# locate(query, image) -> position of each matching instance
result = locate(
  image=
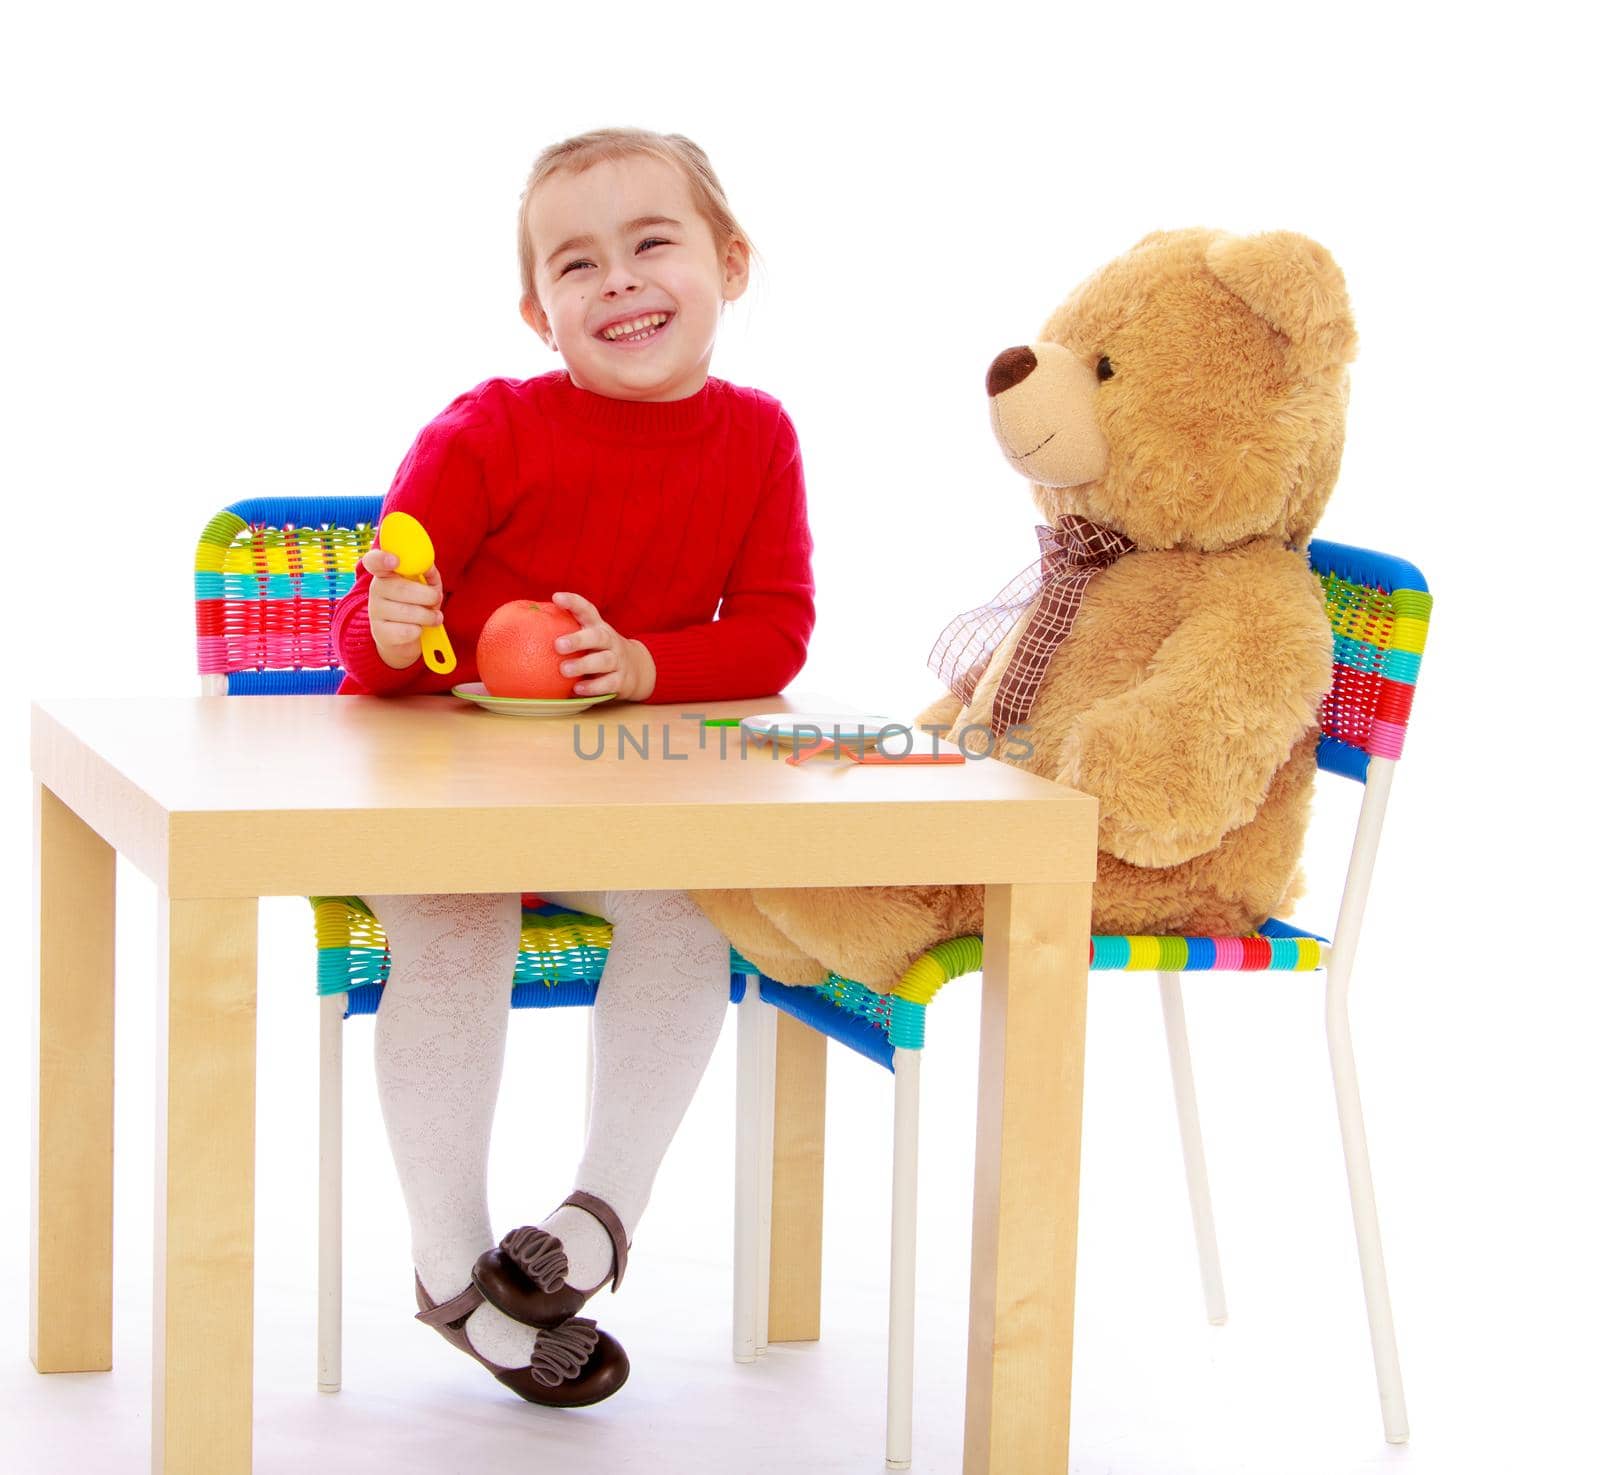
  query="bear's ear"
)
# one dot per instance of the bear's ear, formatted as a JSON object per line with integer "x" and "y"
{"x": 1297, "y": 287}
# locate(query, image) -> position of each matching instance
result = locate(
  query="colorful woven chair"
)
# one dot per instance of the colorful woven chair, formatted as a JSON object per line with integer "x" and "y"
{"x": 268, "y": 572}
{"x": 1378, "y": 607}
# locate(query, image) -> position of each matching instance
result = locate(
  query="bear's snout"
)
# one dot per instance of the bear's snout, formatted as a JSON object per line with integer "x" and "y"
{"x": 1011, "y": 367}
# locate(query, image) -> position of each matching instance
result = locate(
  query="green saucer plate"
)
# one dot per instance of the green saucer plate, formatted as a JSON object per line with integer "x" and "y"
{"x": 474, "y": 691}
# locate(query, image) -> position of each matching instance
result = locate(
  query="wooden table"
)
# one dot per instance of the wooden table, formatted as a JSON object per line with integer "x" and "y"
{"x": 221, "y": 802}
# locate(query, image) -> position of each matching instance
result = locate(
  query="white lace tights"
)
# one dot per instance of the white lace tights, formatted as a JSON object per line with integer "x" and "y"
{"x": 440, "y": 1044}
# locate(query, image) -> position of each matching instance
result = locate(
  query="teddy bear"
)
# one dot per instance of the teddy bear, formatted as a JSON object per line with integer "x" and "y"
{"x": 1180, "y": 421}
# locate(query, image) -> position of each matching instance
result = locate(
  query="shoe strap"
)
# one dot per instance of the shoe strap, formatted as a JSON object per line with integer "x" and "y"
{"x": 612, "y": 1226}
{"x": 458, "y": 1306}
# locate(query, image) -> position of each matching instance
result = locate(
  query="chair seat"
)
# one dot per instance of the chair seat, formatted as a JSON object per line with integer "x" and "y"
{"x": 559, "y": 963}
{"x": 875, "y": 1025}
{"x": 563, "y": 957}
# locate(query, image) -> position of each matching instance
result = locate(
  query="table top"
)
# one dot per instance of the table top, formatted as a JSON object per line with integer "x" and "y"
{"x": 297, "y": 795}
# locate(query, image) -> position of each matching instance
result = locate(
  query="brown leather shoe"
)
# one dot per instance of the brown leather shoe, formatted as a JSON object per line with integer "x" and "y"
{"x": 526, "y": 1276}
{"x": 573, "y": 1365}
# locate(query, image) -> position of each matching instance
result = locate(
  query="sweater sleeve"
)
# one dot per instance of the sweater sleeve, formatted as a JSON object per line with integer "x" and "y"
{"x": 757, "y": 643}
{"x": 443, "y": 483}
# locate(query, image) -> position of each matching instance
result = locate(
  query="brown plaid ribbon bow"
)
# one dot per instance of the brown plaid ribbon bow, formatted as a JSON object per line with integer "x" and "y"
{"x": 1072, "y": 552}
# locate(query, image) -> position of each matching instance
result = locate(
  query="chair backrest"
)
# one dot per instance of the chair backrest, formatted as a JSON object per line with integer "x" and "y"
{"x": 269, "y": 570}
{"x": 267, "y": 574}
{"x": 1379, "y": 607}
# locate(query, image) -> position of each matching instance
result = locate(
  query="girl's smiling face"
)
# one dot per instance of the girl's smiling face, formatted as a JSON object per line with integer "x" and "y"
{"x": 622, "y": 242}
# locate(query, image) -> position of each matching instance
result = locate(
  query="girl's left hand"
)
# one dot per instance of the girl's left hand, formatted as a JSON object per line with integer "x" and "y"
{"x": 614, "y": 662}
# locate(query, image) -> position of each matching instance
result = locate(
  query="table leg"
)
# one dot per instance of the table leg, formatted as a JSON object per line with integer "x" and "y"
{"x": 205, "y": 1188}
{"x": 1025, "y": 1191}
{"x": 69, "y": 1287}
{"x": 801, "y": 1089}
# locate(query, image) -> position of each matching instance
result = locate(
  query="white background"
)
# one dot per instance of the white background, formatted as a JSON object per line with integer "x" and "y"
{"x": 252, "y": 249}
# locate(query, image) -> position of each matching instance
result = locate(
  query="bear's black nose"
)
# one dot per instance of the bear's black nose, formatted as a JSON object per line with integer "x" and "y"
{"x": 1012, "y": 367}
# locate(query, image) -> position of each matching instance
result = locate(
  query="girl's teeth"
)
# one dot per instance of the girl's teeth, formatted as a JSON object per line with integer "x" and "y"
{"x": 638, "y": 336}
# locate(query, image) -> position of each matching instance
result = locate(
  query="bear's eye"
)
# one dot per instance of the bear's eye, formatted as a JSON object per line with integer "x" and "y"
{"x": 1103, "y": 369}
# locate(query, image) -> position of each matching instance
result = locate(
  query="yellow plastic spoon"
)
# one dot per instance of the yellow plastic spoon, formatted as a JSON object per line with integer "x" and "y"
{"x": 402, "y": 535}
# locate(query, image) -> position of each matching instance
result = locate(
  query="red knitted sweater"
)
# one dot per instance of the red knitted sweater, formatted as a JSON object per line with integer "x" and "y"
{"x": 683, "y": 521}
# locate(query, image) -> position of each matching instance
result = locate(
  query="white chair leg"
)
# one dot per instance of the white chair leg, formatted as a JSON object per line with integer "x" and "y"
{"x": 1358, "y": 1165}
{"x": 903, "y": 1256}
{"x": 330, "y": 1190}
{"x": 1364, "y": 1206}
{"x": 747, "y": 1175}
{"x": 1194, "y": 1154}
{"x": 588, "y": 1070}
{"x": 767, "y": 1044}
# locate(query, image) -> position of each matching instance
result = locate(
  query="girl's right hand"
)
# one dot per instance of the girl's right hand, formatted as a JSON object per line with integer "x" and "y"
{"x": 398, "y": 608}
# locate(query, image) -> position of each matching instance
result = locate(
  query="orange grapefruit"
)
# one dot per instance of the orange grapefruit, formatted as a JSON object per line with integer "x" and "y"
{"x": 517, "y": 656}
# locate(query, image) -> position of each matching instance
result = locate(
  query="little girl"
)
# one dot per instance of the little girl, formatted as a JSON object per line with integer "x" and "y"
{"x": 645, "y": 497}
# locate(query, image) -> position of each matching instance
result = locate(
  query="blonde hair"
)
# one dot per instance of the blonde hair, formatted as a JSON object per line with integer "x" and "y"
{"x": 608, "y": 145}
